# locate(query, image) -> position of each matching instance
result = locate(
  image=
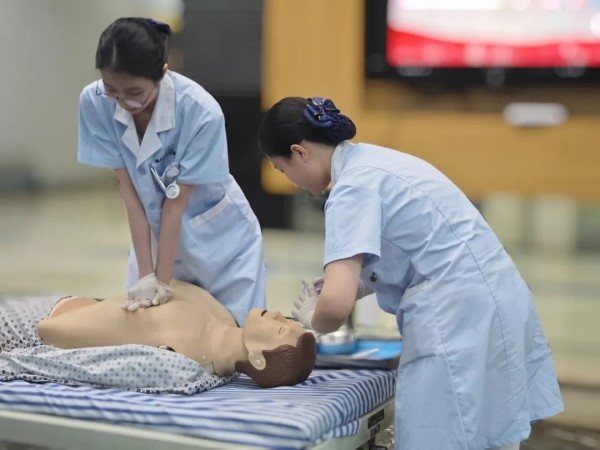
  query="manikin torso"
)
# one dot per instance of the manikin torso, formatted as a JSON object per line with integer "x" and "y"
{"x": 185, "y": 323}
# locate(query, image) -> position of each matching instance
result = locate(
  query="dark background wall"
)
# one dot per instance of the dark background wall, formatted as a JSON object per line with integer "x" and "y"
{"x": 220, "y": 48}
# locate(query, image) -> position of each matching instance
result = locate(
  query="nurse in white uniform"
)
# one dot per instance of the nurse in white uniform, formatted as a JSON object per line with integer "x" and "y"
{"x": 164, "y": 136}
{"x": 475, "y": 370}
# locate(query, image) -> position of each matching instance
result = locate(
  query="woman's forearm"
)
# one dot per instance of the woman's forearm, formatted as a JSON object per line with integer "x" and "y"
{"x": 170, "y": 233}
{"x": 168, "y": 243}
{"x": 338, "y": 294}
{"x": 138, "y": 223}
{"x": 141, "y": 238}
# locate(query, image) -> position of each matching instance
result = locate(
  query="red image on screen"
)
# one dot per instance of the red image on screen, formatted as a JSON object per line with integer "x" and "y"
{"x": 493, "y": 33}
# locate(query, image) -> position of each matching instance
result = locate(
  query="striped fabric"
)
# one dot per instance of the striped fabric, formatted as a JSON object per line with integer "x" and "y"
{"x": 325, "y": 406}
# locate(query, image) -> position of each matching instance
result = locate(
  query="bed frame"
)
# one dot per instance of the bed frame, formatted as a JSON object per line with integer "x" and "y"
{"x": 65, "y": 433}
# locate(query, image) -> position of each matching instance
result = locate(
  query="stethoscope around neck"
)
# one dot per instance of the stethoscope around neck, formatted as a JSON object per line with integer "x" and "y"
{"x": 172, "y": 190}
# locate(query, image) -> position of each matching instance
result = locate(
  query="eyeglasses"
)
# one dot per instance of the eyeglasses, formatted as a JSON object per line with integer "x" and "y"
{"x": 132, "y": 103}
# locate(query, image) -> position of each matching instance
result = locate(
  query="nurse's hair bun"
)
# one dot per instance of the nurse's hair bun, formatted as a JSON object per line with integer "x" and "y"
{"x": 322, "y": 113}
{"x": 161, "y": 27}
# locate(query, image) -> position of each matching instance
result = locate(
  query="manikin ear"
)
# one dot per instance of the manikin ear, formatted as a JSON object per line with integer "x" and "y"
{"x": 300, "y": 151}
{"x": 257, "y": 359}
{"x": 254, "y": 344}
{"x": 165, "y": 68}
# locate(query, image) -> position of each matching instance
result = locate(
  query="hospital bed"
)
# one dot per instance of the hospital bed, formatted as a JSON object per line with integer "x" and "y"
{"x": 335, "y": 409}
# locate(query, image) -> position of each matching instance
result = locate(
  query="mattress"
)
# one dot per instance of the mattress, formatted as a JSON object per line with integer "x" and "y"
{"x": 326, "y": 406}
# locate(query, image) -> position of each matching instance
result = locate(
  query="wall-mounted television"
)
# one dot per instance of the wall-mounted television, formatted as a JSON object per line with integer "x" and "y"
{"x": 494, "y": 42}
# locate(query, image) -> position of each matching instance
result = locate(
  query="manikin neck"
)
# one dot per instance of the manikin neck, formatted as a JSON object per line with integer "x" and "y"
{"x": 227, "y": 347}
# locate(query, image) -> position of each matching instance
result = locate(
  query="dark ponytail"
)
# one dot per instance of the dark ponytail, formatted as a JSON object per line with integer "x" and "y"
{"x": 295, "y": 119}
{"x": 134, "y": 45}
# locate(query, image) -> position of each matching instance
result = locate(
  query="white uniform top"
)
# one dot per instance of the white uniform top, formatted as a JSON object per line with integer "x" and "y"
{"x": 475, "y": 369}
{"x": 221, "y": 245}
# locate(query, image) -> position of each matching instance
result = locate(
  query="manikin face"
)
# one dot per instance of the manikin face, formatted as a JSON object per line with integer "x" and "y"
{"x": 304, "y": 168}
{"x": 133, "y": 94}
{"x": 266, "y": 330}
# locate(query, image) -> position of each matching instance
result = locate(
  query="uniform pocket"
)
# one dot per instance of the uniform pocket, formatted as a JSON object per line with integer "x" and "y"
{"x": 211, "y": 213}
{"x": 214, "y": 238}
{"x": 161, "y": 160}
{"x": 412, "y": 290}
{"x": 420, "y": 329}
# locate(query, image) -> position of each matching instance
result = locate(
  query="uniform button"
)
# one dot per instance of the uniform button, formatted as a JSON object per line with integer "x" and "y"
{"x": 142, "y": 171}
{"x": 178, "y": 262}
{"x": 373, "y": 277}
{"x": 152, "y": 205}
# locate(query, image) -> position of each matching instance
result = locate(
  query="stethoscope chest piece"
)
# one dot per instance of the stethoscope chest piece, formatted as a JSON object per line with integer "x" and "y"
{"x": 172, "y": 191}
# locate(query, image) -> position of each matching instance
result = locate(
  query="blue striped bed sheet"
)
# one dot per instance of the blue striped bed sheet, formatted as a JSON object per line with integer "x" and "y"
{"x": 327, "y": 405}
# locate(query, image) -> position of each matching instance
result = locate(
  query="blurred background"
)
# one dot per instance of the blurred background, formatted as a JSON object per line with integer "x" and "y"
{"x": 501, "y": 95}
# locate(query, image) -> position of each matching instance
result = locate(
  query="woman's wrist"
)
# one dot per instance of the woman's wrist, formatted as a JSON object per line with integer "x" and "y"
{"x": 143, "y": 272}
{"x": 164, "y": 277}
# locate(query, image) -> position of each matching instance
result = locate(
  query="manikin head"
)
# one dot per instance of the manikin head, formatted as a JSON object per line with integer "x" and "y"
{"x": 280, "y": 351}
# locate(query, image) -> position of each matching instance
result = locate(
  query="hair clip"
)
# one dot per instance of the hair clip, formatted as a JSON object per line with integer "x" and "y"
{"x": 319, "y": 112}
{"x": 161, "y": 27}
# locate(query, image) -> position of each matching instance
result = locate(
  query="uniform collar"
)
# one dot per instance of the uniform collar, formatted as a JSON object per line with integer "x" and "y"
{"x": 338, "y": 158}
{"x": 164, "y": 110}
{"x": 163, "y": 119}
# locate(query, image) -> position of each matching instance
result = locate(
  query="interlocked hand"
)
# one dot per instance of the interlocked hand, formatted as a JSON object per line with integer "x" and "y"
{"x": 148, "y": 291}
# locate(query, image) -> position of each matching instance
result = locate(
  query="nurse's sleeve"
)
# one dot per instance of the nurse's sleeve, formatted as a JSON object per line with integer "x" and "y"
{"x": 204, "y": 159}
{"x": 96, "y": 146}
{"x": 353, "y": 218}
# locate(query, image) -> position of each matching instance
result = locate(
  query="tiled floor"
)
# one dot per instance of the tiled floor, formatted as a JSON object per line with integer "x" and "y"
{"x": 76, "y": 241}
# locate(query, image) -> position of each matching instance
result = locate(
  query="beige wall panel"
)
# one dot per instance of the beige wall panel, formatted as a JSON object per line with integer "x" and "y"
{"x": 315, "y": 47}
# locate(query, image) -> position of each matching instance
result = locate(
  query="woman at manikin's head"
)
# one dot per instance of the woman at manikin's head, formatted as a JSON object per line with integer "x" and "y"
{"x": 270, "y": 349}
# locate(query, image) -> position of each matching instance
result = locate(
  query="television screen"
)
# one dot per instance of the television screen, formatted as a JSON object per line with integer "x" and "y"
{"x": 517, "y": 38}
